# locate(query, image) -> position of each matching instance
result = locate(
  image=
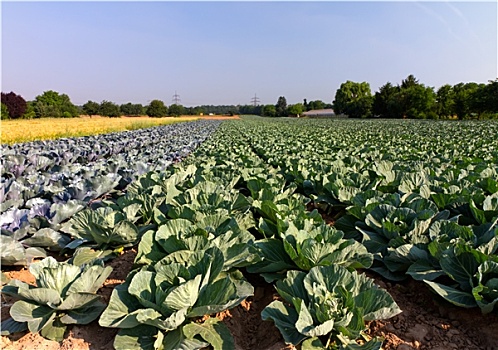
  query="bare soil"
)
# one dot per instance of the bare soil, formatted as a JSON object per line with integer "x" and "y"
{"x": 427, "y": 322}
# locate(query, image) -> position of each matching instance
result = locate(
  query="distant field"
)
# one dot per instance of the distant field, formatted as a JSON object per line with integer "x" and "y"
{"x": 16, "y": 131}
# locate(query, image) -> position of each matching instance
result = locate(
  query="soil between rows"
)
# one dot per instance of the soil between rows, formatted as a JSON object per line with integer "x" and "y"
{"x": 427, "y": 322}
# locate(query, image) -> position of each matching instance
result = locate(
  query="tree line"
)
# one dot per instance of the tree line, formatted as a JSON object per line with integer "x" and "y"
{"x": 51, "y": 104}
{"x": 410, "y": 99}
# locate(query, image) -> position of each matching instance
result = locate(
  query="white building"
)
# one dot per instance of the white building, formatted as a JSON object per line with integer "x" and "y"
{"x": 320, "y": 113}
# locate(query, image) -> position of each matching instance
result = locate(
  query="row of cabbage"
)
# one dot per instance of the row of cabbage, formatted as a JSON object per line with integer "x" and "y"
{"x": 421, "y": 196}
{"x": 202, "y": 227}
{"x": 46, "y": 182}
{"x": 244, "y": 211}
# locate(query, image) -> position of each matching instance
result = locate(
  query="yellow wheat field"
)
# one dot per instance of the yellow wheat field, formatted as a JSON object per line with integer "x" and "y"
{"x": 16, "y": 131}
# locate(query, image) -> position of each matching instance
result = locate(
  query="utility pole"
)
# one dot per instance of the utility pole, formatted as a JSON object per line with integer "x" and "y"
{"x": 176, "y": 98}
{"x": 255, "y": 100}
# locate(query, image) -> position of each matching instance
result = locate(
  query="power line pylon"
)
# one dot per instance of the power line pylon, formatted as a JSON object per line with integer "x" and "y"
{"x": 255, "y": 100}
{"x": 176, "y": 98}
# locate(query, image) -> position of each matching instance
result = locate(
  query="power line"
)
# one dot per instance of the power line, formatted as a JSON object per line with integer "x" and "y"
{"x": 255, "y": 100}
{"x": 176, "y": 98}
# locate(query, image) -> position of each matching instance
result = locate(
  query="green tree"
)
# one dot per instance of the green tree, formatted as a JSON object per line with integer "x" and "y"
{"x": 157, "y": 109}
{"x": 109, "y": 109}
{"x": 269, "y": 111}
{"x": 491, "y": 96}
{"x": 281, "y": 107}
{"x": 198, "y": 110}
{"x": 462, "y": 107}
{"x": 250, "y": 110}
{"x": 132, "y": 109}
{"x": 30, "y": 110}
{"x": 53, "y": 104}
{"x": 354, "y": 99}
{"x": 5, "y": 112}
{"x": 91, "y": 108}
{"x": 408, "y": 100}
{"x": 419, "y": 101}
{"x": 478, "y": 100}
{"x": 409, "y": 82}
{"x": 176, "y": 110}
{"x": 317, "y": 104}
{"x": 385, "y": 103}
{"x": 445, "y": 100}
{"x": 473, "y": 100}
{"x": 43, "y": 110}
{"x": 296, "y": 109}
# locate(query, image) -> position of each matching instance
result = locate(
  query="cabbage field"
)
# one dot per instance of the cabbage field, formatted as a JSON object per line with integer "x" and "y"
{"x": 320, "y": 214}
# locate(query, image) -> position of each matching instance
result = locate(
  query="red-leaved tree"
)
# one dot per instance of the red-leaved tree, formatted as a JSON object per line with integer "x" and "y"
{"x": 16, "y": 104}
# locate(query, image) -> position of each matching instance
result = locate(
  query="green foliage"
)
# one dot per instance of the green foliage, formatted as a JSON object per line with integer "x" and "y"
{"x": 43, "y": 110}
{"x": 397, "y": 231}
{"x": 164, "y": 300}
{"x": 490, "y": 99}
{"x": 176, "y": 110}
{"x": 5, "y": 112}
{"x": 213, "y": 231}
{"x": 30, "y": 111}
{"x": 131, "y": 109}
{"x": 419, "y": 101}
{"x": 109, "y": 109}
{"x": 219, "y": 110}
{"x": 295, "y": 109}
{"x": 281, "y": 107}
{"x": 251, "y": 110}
{"x": 406, "y": 199}
{"x": 328, "y": 301}
{"x": 199, "y": 111}
{"x": 54, "y": 105}
{"x": 388, "y": 102}
{"x": 464, "y": 93}
{"x": 269, "y": 111}
{"x": 91, "y": 108}
{"x": 102, "y": 228}
{"x": 157, "y": 109}
{"x": 353, "y": 99}
{"x": 318, "y": 104}
{"x": 14, "y": 253}
{"x": 413, "y": 100}
{"x": 468, "y": 256}
{"x": 322, "y": 246}
{"x": 445, "y": 101}
{"x": 388, "y": 185}
{"x": 64, "y": 294}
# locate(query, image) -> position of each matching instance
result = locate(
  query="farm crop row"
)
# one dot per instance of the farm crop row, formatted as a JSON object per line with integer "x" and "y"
{"x": 406, "y": 200}
{"x": 46, "y": 182}
{"x": 201, "y": 226}
{"x": 422, "y": 197}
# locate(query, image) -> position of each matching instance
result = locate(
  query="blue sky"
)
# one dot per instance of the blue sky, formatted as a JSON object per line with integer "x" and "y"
{"x": 225, "y": 52}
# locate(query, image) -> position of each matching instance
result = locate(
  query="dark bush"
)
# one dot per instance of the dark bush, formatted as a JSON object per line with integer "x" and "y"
{"x": 16, "y": 105}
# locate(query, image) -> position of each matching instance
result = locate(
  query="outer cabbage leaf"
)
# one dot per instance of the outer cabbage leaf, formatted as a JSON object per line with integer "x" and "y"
{"x": 322, "y": 246}
{"x": 169, "y": 294}
{"x": 327, "y": 300}
{"x": 103, "y": 228}
{"x": 65, "y": 294}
